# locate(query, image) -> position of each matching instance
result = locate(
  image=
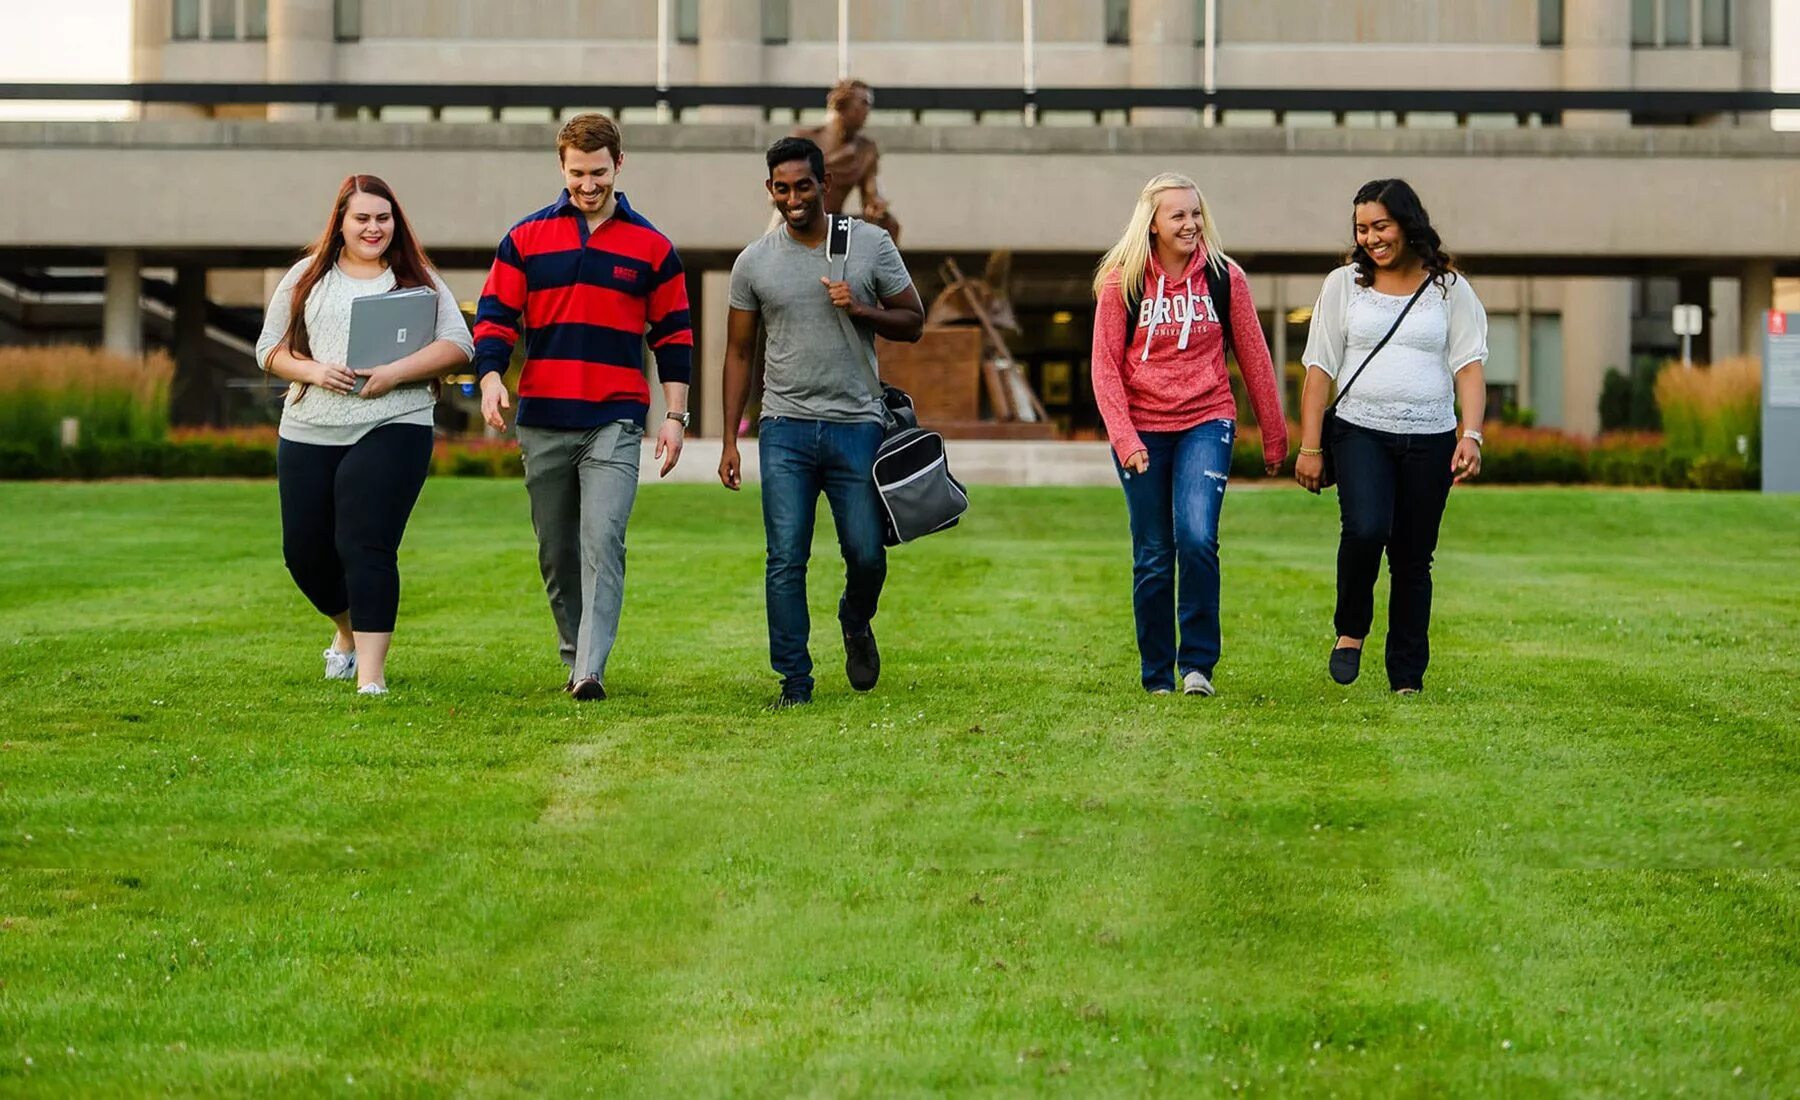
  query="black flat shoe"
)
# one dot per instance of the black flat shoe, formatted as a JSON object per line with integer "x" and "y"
{"x": 1346, "y": 662}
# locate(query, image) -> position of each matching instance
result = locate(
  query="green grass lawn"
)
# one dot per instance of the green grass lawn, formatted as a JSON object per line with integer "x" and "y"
{"x": 1571, "y": 867}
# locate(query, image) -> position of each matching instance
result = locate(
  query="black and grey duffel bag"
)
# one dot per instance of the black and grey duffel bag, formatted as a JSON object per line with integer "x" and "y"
{"x": 912, "y": 474}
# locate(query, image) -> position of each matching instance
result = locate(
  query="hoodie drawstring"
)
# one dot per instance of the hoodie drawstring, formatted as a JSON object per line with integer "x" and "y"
{"x": 1150, "y": 329}
{"x": 1187, "y": 322}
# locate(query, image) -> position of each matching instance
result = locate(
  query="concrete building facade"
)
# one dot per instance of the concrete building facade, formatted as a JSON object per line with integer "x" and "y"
{"x": 1580, "y": 229}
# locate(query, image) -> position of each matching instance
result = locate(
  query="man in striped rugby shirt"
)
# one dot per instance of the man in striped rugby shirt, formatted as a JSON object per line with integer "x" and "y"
{"x": 587, "y": 280}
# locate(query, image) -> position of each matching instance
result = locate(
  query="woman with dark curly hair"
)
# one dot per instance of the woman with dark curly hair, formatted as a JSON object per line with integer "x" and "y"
{"x": 1402, "y": 336}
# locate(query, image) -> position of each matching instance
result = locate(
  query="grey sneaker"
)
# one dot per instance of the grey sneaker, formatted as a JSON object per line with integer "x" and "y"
{"x": 372, "y": 689}
{"x": 1196, "y": 683}
{"x": 340, "y": 666}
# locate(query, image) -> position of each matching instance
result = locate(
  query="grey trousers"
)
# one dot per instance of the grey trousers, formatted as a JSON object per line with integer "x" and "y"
{"x": 582, "y": 485}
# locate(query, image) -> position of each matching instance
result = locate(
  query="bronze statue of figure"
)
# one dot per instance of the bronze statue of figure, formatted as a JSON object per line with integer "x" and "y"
{"x": 851, "y": 157}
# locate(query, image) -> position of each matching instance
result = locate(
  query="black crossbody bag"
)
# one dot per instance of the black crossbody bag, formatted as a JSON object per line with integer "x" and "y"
{"x": 1328, "y": 476}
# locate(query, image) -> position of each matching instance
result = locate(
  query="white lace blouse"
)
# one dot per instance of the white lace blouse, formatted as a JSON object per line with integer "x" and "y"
{"x": 320, "y": 416}
{"x": 1408, "y": 388}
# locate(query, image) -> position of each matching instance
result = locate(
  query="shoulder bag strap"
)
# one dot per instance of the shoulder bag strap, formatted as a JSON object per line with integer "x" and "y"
{"x": 1395, "y": 327}
{"x": 837, "y": 259}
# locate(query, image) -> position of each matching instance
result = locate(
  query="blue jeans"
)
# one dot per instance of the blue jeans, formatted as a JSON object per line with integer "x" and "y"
{"x": 1174, "y": 507}
{"x": 799, "y": 458}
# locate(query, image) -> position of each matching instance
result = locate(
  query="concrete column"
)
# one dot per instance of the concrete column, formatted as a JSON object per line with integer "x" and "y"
{"x": 1596, "y": 325}
{"x": 191, "y": 399}
{"x": 708, "y": 393}
{"x": 731, "y": 52}
{"x": 150, "y": 28}
{"x": 1725, "y": 313}
{"x": 1756, "y": 296}
{"x": 302, "y": 49}
{"x": 1524, "y": 387}
{"x": 1163, "y": 56}
{"x": 122, "y": 330}
{"x": 1596, "y": 54}
{"x": 1753, "y": 35}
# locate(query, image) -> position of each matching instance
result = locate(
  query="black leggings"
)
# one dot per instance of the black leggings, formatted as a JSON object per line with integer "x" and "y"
{"x": 343, "y": 512}
{"x": 1391, "y": 494}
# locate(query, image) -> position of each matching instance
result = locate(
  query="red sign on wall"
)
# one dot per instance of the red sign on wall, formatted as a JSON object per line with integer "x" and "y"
{"x": 1777, "y": 323}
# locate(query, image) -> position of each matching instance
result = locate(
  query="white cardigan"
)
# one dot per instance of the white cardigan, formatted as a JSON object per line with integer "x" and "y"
{"x": 1408, "y": 388}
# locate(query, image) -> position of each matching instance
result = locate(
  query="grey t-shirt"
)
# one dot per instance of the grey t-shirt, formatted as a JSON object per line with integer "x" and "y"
{"x": 810, "y": 371}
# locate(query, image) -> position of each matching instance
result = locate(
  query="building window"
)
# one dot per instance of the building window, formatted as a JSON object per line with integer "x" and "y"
{"x": 221, "y": 21}
{"x": 185, "y": 25}
{"x": 1678, "y": 24}
{"x": 1118, "y": 22}
{"x": 1550, "y": 22}
{"x": 775, "y": 22}
{"x": 1715, "y": 22}
{"x": 687, "y": 21}
{"x": 346, "y": 20}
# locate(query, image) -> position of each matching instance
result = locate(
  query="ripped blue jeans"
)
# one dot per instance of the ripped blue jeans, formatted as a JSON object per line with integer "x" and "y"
{"x": 1174, "y": 508}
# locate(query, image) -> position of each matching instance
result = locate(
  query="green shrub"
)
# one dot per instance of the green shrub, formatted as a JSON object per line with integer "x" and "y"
{"x": 113, "y": 397}
{"x": 1711, "y": 410}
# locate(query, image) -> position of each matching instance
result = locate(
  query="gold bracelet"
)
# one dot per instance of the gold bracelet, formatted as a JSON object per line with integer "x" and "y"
{"x": 1310, "y": 451}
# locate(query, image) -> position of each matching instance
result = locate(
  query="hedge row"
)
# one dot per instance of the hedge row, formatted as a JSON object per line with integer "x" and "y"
{"x": 1511, "y": 457}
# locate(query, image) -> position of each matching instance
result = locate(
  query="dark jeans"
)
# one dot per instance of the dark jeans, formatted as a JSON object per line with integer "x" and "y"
{"x": 799, "y": 458}
{"x": 1174, "y": 508}
{"x": 1391, "y": 493}
{"x": 343, "y": 512}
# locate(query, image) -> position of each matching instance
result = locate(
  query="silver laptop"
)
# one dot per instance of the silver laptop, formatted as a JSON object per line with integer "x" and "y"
{"x": 386, "y": 327}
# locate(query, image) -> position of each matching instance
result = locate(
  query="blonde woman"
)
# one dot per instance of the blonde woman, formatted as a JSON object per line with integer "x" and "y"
{"x": 1168, "y": 304}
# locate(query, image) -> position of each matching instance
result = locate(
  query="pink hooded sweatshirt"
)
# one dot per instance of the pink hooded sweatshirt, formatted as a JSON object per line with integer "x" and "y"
{"x": 1173, "y": 375}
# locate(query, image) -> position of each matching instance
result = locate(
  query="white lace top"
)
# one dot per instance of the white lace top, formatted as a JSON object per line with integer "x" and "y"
{"x": 1408, "y": 388}
{"x": 334, "y": 419}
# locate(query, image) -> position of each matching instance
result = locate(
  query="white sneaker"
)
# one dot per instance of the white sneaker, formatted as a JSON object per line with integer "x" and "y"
{"x": 372, "y": 689}
{"x": 1196, "y": 683}
{"x": 340, "y": 666}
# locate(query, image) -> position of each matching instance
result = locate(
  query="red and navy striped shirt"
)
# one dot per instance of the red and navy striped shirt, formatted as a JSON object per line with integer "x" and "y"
{"x": 586, "y": 303}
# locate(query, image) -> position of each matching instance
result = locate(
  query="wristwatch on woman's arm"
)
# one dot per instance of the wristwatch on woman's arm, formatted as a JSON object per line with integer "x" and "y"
{"x": 1471, "y": 433}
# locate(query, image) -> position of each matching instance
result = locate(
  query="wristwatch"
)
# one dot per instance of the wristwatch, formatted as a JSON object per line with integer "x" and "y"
{"x": 681, "y": 418}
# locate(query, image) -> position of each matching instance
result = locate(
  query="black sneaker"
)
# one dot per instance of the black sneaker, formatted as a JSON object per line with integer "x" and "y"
{"x": 587, "y": 689}
{"x": 789, "y": 699}
{"x": 1346, "y": 662}
{"x": 862, "y": 661}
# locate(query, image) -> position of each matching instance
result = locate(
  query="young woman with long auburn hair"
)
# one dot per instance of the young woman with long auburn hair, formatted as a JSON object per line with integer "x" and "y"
{"x": 351, "y": 460}
{"x": 1160, "y": 380}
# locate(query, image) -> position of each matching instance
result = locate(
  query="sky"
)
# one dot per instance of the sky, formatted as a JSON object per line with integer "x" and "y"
{"x": 90, "y": 40}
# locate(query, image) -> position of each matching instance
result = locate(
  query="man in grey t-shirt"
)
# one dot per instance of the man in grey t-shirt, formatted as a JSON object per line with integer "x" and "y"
{"x": 821, "y": 412}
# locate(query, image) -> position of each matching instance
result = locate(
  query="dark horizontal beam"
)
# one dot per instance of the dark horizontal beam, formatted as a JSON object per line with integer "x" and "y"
{"x": 1402, "y": 100}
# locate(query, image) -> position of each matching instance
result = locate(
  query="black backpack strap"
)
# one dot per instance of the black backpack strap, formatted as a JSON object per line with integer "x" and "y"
{"x": 1132, "y": 306}
{"x": 1218, "y": 287}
